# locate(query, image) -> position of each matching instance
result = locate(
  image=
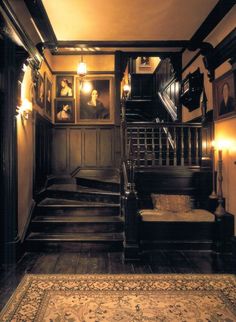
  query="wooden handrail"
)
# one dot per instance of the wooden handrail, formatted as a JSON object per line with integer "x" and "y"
{"x": 163, "y": 124}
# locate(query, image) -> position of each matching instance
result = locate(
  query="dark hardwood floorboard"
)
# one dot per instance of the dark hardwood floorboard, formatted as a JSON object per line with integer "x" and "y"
{"x": 45, "y": 264}
{"x": 156, "y": 262}
{"x": 117, "y": 266}
{"x": 178, "y": 262}
{"x": 66, "y": 264}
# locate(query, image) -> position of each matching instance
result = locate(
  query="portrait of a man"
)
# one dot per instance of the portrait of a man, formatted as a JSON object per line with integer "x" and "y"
{"x": 95, "y": 101}
{"x": 224, "y": 96}
{"x": 227, "y": 103}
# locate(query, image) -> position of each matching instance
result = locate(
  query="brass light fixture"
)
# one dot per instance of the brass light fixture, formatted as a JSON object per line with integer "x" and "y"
{"x": 82, "y": 68}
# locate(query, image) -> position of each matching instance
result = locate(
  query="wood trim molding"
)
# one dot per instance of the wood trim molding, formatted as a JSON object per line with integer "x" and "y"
{"x": 226, "y": 49}
{"x": 39, "y": 14}
{"x": 33, "y": 52}
{"x": 95, "y": 72}
{"x": 212, "y": 20}
{"x": 125, "y": 43}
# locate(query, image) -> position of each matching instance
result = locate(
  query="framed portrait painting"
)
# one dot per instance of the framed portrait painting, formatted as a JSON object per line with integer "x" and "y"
{"x": 40, "y": 91}
{"x": 64, "y": 86}
{"x": 48, "y": 95}
{"x": 144, "y": 61}
{"x": 64, "y": 110}
{"x": 94, "y": 101}
{"x": 224, "y": 92}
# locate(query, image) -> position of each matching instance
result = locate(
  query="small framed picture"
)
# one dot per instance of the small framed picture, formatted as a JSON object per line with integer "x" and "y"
{"x": 64, "y": 110}
{"x": 40, "y": 91}
{"x": 224, "y": 96}
{"x": 64, "y": 86}
{"x": 48, "y": 95}
{"x": 144, "y": 61}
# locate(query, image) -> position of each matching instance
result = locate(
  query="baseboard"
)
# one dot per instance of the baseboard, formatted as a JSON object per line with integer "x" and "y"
{"x": 197, "y": 245}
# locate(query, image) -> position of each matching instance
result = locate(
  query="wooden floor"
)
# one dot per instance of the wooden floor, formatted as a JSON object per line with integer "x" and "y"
{"x": 160, "y": 262}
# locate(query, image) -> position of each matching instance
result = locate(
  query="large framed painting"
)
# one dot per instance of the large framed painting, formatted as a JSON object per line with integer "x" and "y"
{"x": 94, "y": 100}
{"x": 224, "y": 91}
{"x": 48, "y": 95}
{"x": 64, "y": 110}
{"x": 40, "y": 91}
{"x": 64, "y": 86}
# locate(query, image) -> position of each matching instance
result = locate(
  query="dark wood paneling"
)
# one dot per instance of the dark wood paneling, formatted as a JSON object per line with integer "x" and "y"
{"x": 84, "y": 147}
{"x": 75, "y": 152}
{"x": 106, "y": 147}
{"x": 90, "y": 150}
{"x": 167, "y": 84}
{"x": 59, "y": 150}
{"x": 142, "y": 86}
{"x": 43, "y": 148}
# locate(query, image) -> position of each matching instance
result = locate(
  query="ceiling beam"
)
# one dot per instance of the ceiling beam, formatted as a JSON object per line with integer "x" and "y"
{"x": 124, "y": 44}
{"x": 40, "y": 17}
{"x": 212, "y": 20}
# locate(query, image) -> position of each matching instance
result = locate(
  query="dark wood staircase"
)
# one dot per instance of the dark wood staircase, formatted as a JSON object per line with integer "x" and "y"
{"x": 79, "y": 215}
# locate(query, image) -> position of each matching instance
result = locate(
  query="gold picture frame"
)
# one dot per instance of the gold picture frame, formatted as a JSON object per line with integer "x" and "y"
{"x": 94, "y": 100}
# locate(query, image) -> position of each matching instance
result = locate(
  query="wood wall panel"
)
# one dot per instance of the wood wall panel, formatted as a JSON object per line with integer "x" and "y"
{"x": 59, "y": 151}
{"x": 106, "y": 147}
{"x": 85, "y": 147}
{"x": 90, "y": 148}
{"x": 75, "y": 152}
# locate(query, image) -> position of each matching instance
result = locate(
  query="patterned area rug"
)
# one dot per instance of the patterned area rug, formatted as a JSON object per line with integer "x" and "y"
{"x": 123, "y": 298}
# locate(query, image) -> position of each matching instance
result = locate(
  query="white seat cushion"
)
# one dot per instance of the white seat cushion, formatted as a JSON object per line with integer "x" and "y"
{"x": 195, "y": 215}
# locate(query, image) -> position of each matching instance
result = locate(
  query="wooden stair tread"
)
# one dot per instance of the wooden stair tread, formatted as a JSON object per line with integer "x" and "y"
{"x": 80, "y": 189}
{"x": 86, "y": 237}
{"x": 79, "y": 219}
{"x": 108, "y": 176}
{"x": 57, "y": 202}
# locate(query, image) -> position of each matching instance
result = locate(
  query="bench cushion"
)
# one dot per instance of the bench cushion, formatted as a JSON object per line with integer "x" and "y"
{"x": 173, "y": 203}
{"x": 195, "y": 215}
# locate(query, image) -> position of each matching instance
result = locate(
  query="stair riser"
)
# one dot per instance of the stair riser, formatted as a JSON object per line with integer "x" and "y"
{"x": 82, "y": 211}
{"x": 65, "y": 246}
{"x": 76, "y": 227}
{"x": 98, "y": 184}
{"x": 83, "y": 196}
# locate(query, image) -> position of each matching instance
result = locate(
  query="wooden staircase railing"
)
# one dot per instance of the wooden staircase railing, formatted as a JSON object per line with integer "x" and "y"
{"x": 165, "y": 144}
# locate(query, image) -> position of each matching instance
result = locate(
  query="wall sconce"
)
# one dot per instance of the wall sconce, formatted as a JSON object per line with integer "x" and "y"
{"x": 126, "y": 91}
{"x": 24, "y": 109}
{"x": 82, "y": 68}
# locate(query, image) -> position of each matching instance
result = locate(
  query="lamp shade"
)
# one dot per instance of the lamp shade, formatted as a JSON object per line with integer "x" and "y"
{"x": 82, "y": 69}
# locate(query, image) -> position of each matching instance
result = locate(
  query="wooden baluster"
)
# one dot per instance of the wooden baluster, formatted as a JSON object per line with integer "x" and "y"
{"x": 182, "y": 145}
{"x": 138, "y": 147}
{"x": 189, "y": 147}
{"x": 167, "y": 148}
{"x": 160, "y": 146}
{"x": 175, "y": 147}
{"x": 145, "y": 148}
{"x": 197, "y": 146}
{"x": 153, "y": 147}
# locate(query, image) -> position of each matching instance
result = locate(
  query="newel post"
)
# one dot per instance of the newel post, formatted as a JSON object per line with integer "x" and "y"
{"x": 131, "y": 245}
